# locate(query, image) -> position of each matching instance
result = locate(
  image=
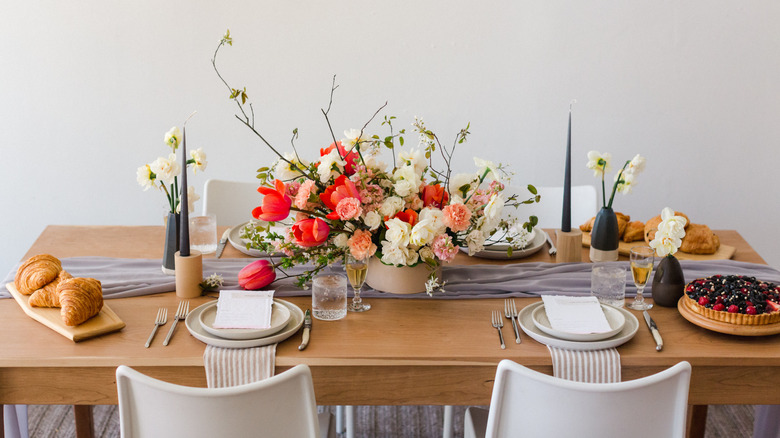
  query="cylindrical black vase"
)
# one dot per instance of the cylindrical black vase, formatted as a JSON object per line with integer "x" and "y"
{"x": 605, "y": 237}
{"x": 668, "y": 282}
{"x": 171, "y": 244}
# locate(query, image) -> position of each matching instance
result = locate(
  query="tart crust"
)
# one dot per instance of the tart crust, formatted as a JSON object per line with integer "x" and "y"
{"x": 732, "y": 318}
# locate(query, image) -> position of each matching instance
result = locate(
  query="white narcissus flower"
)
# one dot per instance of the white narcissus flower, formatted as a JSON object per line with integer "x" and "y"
{"x": 665, "y": 245}
{"x": 200, "y": 160}
{"x": 599, "y": 163}
{"x": 636, "y": 165}
{"x": 284, "y": 171}
{"x": 390, "y": 206}
{"x": 353, "y": 137}
{"x": 372, "y": 220}
{"x": 191, "y": 198}
{"x": 173, "y": 138}
{"x": 145, "y": 177}
{"x": 627, "y": 183}
{"x": 398, "y": 232}
{"x": 475, "y": 240}
{"x": 670, "y": 232}
{"x": 326, "y": 164}
{"x": 414, "y": 158}
{"x": 166, "y": 169}
{"x": 485, "y": 165}
{"x": 423, "y": 232}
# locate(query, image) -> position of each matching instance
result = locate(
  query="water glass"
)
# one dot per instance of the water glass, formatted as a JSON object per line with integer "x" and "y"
{"x": 203, "y": 233}
{"x": 329, "y": 296}
{"x": 608, "y": 283}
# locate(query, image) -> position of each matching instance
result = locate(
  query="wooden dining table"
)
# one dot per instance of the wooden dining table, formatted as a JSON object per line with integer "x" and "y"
{"x": 401, "y": 352}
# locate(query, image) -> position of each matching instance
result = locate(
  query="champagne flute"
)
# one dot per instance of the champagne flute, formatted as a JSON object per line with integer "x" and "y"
{"x": 641, "y": 266}
{"x": 356, "y": 273}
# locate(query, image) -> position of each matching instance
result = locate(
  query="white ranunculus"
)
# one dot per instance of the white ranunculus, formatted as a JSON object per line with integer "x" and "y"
{"x": 324, "y": 170}
{"x": 423, "y": 232}
{"x": 144, "y": 177}
{"x": 341, "y": 240}
{"x": 599, "y": 163}
{"x": 284, "y": 171}
{"x": 392, "y": 254}
{"x": 173, "y": 138}
{"x": 373, "y": 220}
{"x": 462, "y": 184}
{"x": 391, "y": 206}
{"x": 435, "y": 216}
{"x": 489, "y": 166}
{"x": 166, "y": 169}
{"x": 475, "y": 241}
{"x": 398, "y": 232}
{"x": 414, "y": 158}
{"x": 200, "y": 160}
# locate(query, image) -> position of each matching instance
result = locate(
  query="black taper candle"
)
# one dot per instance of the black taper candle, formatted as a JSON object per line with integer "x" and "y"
{"x": 184, "y": 224}
{"x": 566, "y": 219}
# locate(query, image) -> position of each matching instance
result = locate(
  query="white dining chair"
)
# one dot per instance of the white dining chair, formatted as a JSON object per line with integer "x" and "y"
{"x": 231, "y": 201}
{"x": 584, "y": 205}
{"x": 531, "y": 404}
{"x": 280, "y": 406}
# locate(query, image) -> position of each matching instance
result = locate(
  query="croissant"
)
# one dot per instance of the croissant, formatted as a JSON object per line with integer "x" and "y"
{"x": 48, "y": 296}
{"x": 81, "y": 299}
{"x": 36, "y": 272}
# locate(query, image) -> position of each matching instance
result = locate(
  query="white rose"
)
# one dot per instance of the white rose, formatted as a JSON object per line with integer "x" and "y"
{"x": 341, "y": 240}
{"x": 373, "y": 220}
{"x": 423, "y": 232}
{"x": 391, "y": 206}
{"x": 284, "y": 170}
{"x": 475, "y": 241}
{"x": 398, "y": 232}
{"x": 393, "y": 255}
{"x": 435, "y": 216}
{"x": 326, "y": 163}
{"x": 166, "y": 169}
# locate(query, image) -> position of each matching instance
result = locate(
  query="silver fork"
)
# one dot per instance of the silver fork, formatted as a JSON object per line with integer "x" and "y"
{"x": 162, "y": 318}
{"x": 181, "y": 313}
{"x": 497, "y": 324}
{"x": 508, "y": 305}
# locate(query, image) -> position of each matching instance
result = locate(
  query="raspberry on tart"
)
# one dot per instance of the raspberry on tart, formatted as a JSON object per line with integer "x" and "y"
{"x": 734, "y": 299}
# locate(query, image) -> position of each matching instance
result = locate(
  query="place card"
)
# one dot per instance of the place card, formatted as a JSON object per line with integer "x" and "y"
{"x": 575, "y": 314}
{"x": 245, "y": 309}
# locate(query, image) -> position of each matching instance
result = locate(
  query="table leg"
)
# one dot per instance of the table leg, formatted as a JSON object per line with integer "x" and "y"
{"x": 2, "y": 422}
{"x": 84, "y": 426}
{"x": 697, "y": 421}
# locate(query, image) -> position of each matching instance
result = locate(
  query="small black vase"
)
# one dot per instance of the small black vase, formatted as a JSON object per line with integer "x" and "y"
{"x": 668, "y": 282}
{"x": 604, "y": 238}
{"x": 171, "y": 243}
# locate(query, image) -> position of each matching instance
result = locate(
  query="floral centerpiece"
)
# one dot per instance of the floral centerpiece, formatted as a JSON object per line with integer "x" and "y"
{"x": 669, "y": 281}
{"x": 413, "y": 210}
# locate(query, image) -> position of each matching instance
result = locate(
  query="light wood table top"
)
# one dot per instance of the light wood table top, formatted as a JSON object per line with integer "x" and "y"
{"x": 401, "y": 352}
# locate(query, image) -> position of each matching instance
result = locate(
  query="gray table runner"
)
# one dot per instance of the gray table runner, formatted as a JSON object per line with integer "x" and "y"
{"x": 123, "y": 278}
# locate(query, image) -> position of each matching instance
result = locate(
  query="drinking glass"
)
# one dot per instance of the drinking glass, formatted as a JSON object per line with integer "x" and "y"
{"x": 203, "y": 233}
{"x": 641, "y": 266}
{"x": 329, "y": 296}
{"x": 356, "y": 273}
{"x": 608, "y": 283}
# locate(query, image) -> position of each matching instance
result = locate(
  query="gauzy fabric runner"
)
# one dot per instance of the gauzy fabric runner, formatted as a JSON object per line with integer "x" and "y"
{"x": 597, "y": 366}
{"x": 238, "y": 366}
{"x": 123, "y": 278}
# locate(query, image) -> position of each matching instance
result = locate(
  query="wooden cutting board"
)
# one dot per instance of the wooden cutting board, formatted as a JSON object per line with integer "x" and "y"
{"x": 725, "y": 252}
{"x": 104, "y": 322}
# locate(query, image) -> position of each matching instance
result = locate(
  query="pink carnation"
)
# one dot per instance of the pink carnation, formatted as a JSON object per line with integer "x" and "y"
{"x": 304, "y": 191}
{"x": 349, "y": 208}
{"x": 360, "y": 245}
{"x": 456, "y": 217}
{"x": 443, "y": 248}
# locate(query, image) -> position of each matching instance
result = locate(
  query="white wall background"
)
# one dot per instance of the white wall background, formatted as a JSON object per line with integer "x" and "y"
{"x": 88, "y": 88}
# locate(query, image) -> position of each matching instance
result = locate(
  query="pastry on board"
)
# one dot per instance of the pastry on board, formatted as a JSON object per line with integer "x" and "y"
{"x": 36, "y": 272}
{"x": 622, "y": 220}
{"x": 48, "y": 296}
{"x": 81, "y": 299}
{"x": 634, "y": 231}
{"x": 699, "y": 239}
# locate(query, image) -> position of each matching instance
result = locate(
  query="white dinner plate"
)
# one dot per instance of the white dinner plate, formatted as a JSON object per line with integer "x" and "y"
{"x": 193, "y": 325}
{"x": 540, "y": 237}
{"x": 526, "y": 321}
{"x": 239, "y": 243}
{"x": 615, "y": 318}
{"x": 280, "y": 316}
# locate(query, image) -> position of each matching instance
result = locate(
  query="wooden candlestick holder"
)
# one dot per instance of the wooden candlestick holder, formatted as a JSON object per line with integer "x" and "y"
{"x": 569, "y": 246}
{"x": 189, "y": 274}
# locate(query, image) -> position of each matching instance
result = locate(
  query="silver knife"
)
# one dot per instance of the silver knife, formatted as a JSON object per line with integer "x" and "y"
{"x": 659, "y": 343}
{"x": 306, "y": 330}
{"x": 222, "y": 242}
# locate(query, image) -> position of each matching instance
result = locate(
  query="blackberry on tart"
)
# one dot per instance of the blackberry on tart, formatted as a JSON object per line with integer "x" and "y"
{"x": 735, "y": 299}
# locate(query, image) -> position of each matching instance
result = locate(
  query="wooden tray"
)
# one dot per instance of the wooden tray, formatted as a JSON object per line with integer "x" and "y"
{"x": 725, "y": 252}
{"x": 104, "y": 322}
{"x": 724, "y": 327}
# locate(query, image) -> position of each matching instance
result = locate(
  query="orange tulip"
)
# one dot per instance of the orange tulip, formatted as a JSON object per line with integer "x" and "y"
{"x": 256, "y": 275}
{"x": 310, "y": 232}
{"x": 276, "y": 203}
{"x": 434, "y": 195}
{"x": 342, "y": 188}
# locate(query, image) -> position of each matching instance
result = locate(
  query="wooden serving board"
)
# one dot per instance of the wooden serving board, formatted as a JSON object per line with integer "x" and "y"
{"x": 725, "y": 252}
{"x": 725, "y": 327}
{"x": 104, "y": 322}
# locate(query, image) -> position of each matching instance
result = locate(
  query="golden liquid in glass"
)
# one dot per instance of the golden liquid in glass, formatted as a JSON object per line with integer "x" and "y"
{"x": 356, "y": 273}
{"x": 641, "y": 272}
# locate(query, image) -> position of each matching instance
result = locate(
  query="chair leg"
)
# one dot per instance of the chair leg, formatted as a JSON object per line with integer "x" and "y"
{"x": 340, "y": 419}
{"x": 2, "y": 421}
{"x": 83, "y": 416}
{"x": 350, "y": 423}
{"x": 447, "y": 426}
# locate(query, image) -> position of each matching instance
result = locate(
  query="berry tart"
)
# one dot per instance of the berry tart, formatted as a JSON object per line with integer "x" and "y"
{"x": 734, "y": 299}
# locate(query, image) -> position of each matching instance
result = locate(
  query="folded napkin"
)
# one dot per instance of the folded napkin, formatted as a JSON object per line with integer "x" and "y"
{"x": 575, "y": 314}
{"x": 246, "y": 309}
{"x": 238, "y": 366}
{"x": 597, "y": 366}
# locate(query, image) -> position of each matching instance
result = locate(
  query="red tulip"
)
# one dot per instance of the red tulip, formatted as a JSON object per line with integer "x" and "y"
{"x": 350, "y": 158}
{"x": 310, "y": 232}
{"x": 434, "y": 195}
{"x": 256, "y": 275}
{"x": 276, "y": 204}
{"x": 342, "y": 188}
